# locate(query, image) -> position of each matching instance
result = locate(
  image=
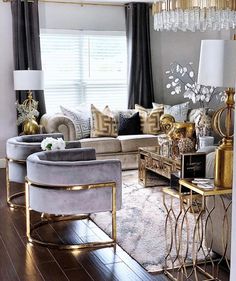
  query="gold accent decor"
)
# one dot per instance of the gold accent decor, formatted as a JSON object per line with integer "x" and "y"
{"x": 45, "y": 220}
{"x": 166, "y": 122}
{"x": 192, "y": 260}
{"x": 30, "y": 127}
{"x": 11, "y": 197}
{"x": 181, "y": 129}
{"x": 224, "y": 153}
{"x": 150, "y": 161}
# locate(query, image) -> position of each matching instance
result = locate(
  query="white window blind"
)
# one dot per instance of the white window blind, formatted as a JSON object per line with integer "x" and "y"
{"x": 82, "y": 68}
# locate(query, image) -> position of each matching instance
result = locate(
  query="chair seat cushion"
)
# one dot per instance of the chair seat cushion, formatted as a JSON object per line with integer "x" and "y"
{"x": 133, "y": 142}
{"x": 102, "y": 145}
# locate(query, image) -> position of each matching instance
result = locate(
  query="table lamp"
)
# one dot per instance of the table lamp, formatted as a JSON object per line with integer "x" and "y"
{"x": 29, "y": 80}
{"x": 217, "y": 68}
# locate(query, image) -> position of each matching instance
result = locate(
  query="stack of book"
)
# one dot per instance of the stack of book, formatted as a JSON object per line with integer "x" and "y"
{"x": 204, "y": 183}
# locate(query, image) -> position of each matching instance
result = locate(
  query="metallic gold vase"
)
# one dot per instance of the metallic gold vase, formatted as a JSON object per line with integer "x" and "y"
{"x": 30, "y": 127}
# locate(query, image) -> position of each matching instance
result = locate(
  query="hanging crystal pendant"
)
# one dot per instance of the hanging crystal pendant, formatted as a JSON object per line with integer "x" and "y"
{"x": 194, "y": 15}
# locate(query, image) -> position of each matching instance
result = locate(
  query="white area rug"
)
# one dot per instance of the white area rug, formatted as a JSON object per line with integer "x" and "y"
{"x": 140, "y": 222}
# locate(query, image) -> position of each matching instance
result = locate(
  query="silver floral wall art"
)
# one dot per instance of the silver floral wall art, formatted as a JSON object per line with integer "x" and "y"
{"x": 183, "y": 80}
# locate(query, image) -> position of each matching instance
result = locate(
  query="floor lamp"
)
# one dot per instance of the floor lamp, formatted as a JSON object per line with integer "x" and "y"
{"x": 217, "y": 68}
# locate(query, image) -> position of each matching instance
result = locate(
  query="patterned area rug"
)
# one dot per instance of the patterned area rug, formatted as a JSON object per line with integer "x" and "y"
{"x": 140, "y": 222}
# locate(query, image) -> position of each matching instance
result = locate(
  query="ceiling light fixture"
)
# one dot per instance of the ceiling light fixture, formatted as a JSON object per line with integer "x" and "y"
{"x": 194, "y": 15}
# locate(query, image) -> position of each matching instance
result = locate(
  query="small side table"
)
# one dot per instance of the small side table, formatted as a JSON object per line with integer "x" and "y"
{"x": 187, "y": 255}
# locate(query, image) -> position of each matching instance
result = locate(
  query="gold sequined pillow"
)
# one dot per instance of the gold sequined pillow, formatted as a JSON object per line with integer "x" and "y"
{"x": 103, "y": 123}
{"x": 149, "y": 119}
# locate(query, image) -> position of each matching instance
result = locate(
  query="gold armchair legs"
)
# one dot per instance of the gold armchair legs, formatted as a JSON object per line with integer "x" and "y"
{"x": 44, "y": 221}
{"x": 12, "y": 197}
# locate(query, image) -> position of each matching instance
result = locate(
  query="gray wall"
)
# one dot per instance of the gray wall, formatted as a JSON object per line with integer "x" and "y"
{"x": 182, "y": 47}
{"x": 7, "y": 94}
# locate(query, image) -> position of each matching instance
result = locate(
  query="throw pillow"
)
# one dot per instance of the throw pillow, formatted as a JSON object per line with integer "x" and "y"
{"x": 178, "y": 111}
{"x": 81, "y": 120}
{"x": 129, "y": 125}
{"x": 103, "y": 123}
{"x": 149, "y": 119}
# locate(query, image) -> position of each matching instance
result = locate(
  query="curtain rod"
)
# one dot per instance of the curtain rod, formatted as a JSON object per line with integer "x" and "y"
{"x": 75, "y": 3}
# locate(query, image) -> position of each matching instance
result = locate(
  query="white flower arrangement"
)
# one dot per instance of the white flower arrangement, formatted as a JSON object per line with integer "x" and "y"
{"x": 53, "y": 144}
{"x": 182, "y": 78}
{"x": 26, "y": 113}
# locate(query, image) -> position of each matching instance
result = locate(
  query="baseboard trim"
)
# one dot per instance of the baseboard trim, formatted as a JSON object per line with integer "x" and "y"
{"x": 2, "y": 163}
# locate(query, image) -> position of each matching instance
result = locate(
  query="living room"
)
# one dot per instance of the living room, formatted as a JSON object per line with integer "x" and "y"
{"x": 167, "y": 47}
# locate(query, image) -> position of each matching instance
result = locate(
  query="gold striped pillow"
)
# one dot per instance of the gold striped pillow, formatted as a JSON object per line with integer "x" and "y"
{"x": 103, "y": 123}
{"x": 149, "y": 119}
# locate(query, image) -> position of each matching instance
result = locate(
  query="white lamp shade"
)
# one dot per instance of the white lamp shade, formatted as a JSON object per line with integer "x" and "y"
{"x": 28, "y": 80}
{"x": 217, "y": 64}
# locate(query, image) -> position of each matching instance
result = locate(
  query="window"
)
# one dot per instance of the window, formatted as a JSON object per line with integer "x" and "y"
{"x": 84, "y": 67}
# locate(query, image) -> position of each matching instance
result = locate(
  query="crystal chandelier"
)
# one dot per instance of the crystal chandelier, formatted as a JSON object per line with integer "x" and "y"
{"x": 194, "y": 15}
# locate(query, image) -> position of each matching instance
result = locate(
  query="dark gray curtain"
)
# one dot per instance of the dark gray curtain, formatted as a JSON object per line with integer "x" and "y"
{"x": 26, "y": 43}
{"x": 140, "y": 81}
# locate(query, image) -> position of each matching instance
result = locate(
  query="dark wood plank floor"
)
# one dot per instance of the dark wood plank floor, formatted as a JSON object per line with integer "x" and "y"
{"x": 23, "y": 262}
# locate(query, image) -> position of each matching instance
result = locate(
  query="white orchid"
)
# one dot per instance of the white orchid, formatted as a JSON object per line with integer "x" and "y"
{"x": 183, "y": 77}
{"x": 53, "y": 144}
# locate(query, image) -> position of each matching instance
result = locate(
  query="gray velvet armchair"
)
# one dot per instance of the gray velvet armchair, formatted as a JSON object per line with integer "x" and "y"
{"x": 72, "y": 182}
{"x": 18, "y": 149}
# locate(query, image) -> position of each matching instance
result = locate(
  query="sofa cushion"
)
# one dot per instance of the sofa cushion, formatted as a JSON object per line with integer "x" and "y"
{"x": 102, "y": 145}
{"x": 103, "y": 123}
{"x": 178, "y": 111}
{"x": 81, "y": 120}
{"x": 150, "y": 119}
{"x": 133, "y": 142}
{"x": 125, "y": 113}
{"x": 129, "y": 125}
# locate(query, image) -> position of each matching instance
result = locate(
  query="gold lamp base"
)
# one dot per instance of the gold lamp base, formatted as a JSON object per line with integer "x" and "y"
{"x": 224, "y": 153}
{"x": 30, "y": 127}
{"x": 224, "y": 164}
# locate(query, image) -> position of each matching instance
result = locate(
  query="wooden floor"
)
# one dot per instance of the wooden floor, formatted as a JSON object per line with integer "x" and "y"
{"x": 22, "y": 261}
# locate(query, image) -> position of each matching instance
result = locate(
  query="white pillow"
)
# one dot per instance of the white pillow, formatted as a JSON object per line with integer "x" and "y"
{"x": 178, "y": 111}
{"x": 81, "y": 120}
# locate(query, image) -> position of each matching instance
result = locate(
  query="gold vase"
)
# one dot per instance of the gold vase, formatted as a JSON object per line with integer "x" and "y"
{"x": 30, "y": 127}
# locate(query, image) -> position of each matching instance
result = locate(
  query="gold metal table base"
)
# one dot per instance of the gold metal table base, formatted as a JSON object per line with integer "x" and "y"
{"x": 12, "y": 197}
{"x": 188, "y": 257}
{"x": 46, "y": 219}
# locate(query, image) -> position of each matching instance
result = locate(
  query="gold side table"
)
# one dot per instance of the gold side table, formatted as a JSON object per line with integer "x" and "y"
{"x": 189, "y": 223}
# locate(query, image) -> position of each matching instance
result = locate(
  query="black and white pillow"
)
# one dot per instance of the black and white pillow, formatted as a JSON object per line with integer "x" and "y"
{"x": 129, "y": 125}
{"x": 81, "y": 120}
